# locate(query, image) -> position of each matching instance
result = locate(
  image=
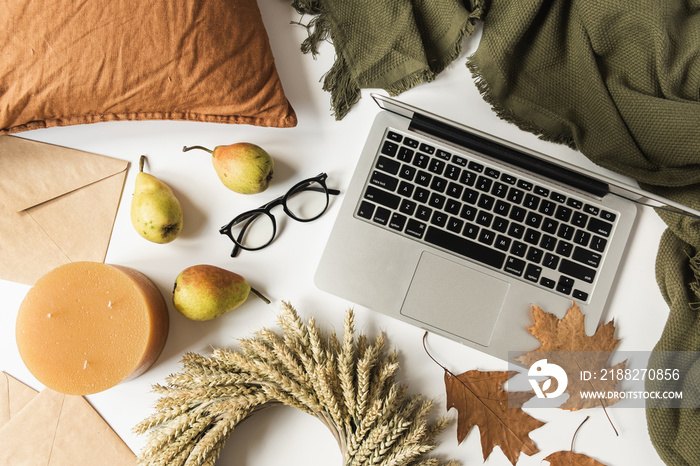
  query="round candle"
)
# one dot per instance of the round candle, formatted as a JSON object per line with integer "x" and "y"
{"x": 86, "y": 326}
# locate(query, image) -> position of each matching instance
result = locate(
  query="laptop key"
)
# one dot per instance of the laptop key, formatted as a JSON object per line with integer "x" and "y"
{"x": 550, "y": 261}
{"x": 388, "y": 165}
{"x": 502, "y": 243}
{"x": 423, "y": 212}
{"x": 383, "y": 180}
{"x": 565, "y": 285}
{"x": 599, "y": 227}
{"x": 366, "y": 210}
{"x": 421, "y": 160}
{"x": 465, "y": 247}
{"x": 515, "y": 266}
{"x": 396, "y": 137}
{"x": 532, "y": 273}
{"x": 455, "y": 225}
{"x": 586, "y": 257}
{"x": 381, "y": 216}
{"x": 408, "y": 207}
{"x": 407, "y": 172}
{"x": 439, "y": 219}
{"x": 423, "y": 178}
{"x": 547, "y": 282}
{"x": 415, "y": 228}
{"x": 452, "y": 172}
{"x": 487, "y": 236}
{"x": 575, "y": 270}
{"x": 598, "y": 243}
{"x": 405, "y": 154}
{"x": 397, "y": 222}
{"x": 390, "y": 148}
{"x": 382, "y": 197}
{"x": 518, "y": 248}
{"x": 405, "y": 189}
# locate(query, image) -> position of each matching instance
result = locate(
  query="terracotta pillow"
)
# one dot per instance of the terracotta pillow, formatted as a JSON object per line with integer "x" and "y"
{"x": 65, "y": 62}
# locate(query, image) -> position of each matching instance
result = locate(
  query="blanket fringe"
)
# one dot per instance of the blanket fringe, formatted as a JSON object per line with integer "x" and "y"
{"x": 344, "y": 90}
{"x": 694, "y": 264}
{"x": 508, "y": 115}
{"x": 318, "y": 28}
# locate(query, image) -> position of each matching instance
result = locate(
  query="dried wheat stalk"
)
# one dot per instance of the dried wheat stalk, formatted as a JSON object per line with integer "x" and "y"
{"x": 348, "y": 384}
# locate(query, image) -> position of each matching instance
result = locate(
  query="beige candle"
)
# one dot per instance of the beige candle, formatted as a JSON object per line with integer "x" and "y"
{"x": 86, "y": 326}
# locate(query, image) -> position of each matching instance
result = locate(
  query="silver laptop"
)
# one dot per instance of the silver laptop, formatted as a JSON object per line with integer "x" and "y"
{"x": 458, "y": 232}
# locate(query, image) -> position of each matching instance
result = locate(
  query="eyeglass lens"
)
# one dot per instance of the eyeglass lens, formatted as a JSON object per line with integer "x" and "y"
{"x": 307, "y": 201}
{"x": 255, "y": 232}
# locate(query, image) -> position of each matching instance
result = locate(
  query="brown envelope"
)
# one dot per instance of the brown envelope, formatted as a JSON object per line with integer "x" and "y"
{"x": 14, "y": 395}
{"x": 57, "y": 205}
{"x": 53, "y": 429}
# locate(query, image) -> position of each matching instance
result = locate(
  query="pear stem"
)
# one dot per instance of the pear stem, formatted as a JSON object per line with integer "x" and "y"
{"x": 141, "y": 162}
{"x": 185, "y": 149}
{"x": 260, "y": 295}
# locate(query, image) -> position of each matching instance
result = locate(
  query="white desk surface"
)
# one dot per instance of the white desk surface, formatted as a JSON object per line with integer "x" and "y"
{"x": 284, "y": 270}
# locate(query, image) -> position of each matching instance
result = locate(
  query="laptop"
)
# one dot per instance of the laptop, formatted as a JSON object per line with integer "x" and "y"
{"x": 458, "y": 232}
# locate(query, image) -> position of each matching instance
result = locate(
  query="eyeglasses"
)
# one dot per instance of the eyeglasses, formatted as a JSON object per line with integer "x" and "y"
{"x": 255, "y": 229}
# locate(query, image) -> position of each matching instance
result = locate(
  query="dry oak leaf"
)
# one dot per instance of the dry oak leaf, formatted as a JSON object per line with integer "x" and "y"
{"x": 480, "y": 400}
{"x": 564, "y": 342}
{"x": 569, "y": 458}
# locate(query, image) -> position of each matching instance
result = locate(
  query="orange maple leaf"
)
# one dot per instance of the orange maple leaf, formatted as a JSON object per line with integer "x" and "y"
{"x": 564, "y": 342}
{"x": 480, "y": 400}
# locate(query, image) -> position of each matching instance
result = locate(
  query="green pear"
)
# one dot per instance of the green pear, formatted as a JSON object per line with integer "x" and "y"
{"x": 243, "y": 167}
{"x": 203, "y": 292}
{"x": 156, "y": 214}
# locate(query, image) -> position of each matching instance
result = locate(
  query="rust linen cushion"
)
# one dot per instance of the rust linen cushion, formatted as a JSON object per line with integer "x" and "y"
{"x": 65, "y": 62}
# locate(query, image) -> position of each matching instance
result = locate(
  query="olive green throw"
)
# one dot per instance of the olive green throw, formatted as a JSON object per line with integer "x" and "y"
{"x": 617, "y": 80}
{"x": 391, "y": 45}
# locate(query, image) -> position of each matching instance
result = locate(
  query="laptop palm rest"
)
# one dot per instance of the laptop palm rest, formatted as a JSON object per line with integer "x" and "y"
{"x": 470, "y": 300}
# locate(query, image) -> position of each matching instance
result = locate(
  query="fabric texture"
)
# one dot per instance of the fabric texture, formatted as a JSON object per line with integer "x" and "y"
{"x": 390, "y": 45}
{"x": 618, "y": 81}
{"x": 66, "y": 62}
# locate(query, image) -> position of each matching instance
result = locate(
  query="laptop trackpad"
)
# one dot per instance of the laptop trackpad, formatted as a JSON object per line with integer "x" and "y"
{"x": 455, "y": 298}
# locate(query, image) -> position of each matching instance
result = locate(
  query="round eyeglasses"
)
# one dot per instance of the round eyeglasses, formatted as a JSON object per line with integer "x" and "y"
{"x": 255, "y": 229}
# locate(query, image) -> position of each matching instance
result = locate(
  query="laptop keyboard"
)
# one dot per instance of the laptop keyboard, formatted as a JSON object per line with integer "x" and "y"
{"x": 496, "y": 217}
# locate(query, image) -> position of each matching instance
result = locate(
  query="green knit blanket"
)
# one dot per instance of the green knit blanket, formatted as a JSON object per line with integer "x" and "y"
{"x": 617, "y": 80}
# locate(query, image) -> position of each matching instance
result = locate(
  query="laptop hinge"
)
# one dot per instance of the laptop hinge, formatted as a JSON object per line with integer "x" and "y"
{"x": 509, "y": 155}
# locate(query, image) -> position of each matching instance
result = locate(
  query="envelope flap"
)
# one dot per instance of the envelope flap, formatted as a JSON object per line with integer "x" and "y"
{"x": 28, "y": 438}
{"x": 35, "y": 172}
{"x": 14, "y": 395}
{"x": 61, "y": 430}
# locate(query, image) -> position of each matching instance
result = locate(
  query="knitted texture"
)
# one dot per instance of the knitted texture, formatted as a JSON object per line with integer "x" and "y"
{"x": 390, "y": 45}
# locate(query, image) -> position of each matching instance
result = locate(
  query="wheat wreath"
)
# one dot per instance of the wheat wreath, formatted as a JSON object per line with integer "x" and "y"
{"x": 348, "y": 384}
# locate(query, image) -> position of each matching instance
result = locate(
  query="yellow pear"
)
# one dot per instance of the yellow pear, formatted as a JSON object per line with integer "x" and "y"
{"x": 156, "y": 214}
{"x": 243, "y": 167}
{"x": 203, "y": 292}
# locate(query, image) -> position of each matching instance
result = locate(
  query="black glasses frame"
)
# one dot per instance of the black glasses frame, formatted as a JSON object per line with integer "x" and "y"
{"x": 251, "y": 215}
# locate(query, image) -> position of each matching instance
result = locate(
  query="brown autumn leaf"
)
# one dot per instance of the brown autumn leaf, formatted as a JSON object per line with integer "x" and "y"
{"x": 564, "y": 342}
{"x": 569, "y": 458}
{"x": 480, "y": 400}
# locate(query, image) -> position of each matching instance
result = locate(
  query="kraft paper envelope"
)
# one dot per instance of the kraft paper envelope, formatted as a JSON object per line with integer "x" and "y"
{"x": 14, "y": 395}
{"x": 57, "y": 205}
{"x": 53, "y": 429}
